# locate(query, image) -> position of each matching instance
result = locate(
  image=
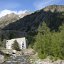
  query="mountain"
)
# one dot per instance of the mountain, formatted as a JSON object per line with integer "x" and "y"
{"x": 43, "y": 29}
{"x": 29, "y": 24}
{"x": 21, "y": 15}
{"x": 52, "y": 8}
{"x": 9, "y": 18}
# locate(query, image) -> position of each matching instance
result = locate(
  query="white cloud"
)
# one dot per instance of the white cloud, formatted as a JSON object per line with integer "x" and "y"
{"x": 5, "y": 12}
{"x": 42, "y": 3}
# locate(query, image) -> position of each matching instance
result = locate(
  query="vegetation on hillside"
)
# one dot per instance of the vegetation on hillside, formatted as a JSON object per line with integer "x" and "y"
{"x": 49, "y": 43}
{"x": 44, "y": 31}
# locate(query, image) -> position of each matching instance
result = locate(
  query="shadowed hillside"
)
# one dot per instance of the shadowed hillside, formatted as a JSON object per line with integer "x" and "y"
{"x": 43, "y": 29}
{"x": 52, "y": 15}
{"x": 28, "y": 25}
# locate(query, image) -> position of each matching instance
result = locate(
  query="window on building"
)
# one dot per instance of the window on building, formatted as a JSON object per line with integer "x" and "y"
{"x": 22, "y": 45}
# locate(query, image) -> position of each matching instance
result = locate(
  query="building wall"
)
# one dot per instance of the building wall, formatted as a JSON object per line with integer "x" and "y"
{"x": 19, "y": 40}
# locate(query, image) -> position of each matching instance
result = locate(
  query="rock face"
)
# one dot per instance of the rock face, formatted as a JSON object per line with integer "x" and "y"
{"x": 1, "y": 59}
{"x": 31, "y": 22}
{"x": 28, "y": 25}
{"x": 9, "y": 18}
{"x": 52, "y": 8}
{"x": 24, "y": 14}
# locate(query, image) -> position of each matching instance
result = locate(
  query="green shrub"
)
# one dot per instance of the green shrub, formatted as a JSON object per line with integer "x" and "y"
{"x": 15, "y": 46}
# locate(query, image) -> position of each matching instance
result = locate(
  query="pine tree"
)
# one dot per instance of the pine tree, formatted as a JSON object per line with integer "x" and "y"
{"x": 43, "y": 28}
{"x": 15, "y": 46}
{"x": 42, "y": 40}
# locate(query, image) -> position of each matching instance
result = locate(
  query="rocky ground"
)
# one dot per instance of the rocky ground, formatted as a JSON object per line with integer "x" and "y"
{"x": 17, "y": 60}
{"x": 48, "y": 62}
{"x": 29, "y": 57}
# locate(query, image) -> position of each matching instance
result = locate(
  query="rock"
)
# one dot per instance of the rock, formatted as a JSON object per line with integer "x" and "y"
{"x": 28, "y": 52}
{"x": 1, "y": 58}
{"x": 39, "y": 61}
{"x": 59, "y": 62}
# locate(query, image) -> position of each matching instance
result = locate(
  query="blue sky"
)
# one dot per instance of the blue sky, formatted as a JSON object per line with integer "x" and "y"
{"x": 31, "y": 5}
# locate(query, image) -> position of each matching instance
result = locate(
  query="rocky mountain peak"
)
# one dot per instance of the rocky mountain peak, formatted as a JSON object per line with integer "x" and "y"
{"x": 9, "y": 18}
{"x": 52, "y": 8}
{"x": 24, "y": 14}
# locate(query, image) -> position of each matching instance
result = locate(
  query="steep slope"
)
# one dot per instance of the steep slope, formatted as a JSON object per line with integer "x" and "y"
{"x": 42, "y": 31}
{"x": 28, "y": 25}
{"x": 52, "y": 8}
{"x": 31, "y": 22}
{"x": 9, "y": 18}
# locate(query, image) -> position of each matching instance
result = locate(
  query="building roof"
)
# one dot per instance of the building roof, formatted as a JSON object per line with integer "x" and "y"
{"x": 17, "y": 38}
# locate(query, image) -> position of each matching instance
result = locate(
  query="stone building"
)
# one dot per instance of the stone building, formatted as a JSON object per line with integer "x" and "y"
{"x": 20, "y": 41}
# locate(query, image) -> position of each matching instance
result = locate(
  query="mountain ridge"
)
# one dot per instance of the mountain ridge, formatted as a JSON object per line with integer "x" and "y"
{"x": 9, "y": 18}
{"x": 52, "y": 8}
{"x": 30, "y": 23}
{"x": 43, "y": 29}
{"x": 38, "y": 16}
